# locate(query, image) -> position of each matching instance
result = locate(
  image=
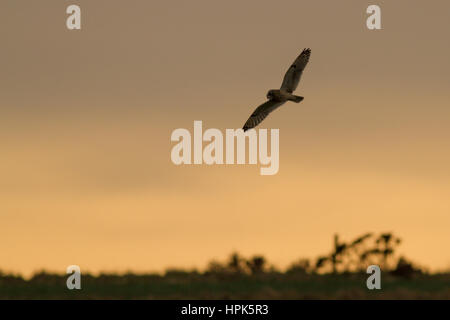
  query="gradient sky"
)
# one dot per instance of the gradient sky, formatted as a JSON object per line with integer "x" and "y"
{"x": 86, "y": 118}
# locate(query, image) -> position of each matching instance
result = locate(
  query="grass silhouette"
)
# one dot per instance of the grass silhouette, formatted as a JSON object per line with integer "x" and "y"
{"x": 339, "y": 274}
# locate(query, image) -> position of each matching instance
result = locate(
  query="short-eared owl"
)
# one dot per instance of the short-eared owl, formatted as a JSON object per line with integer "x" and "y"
{"x": 278, "y": 97}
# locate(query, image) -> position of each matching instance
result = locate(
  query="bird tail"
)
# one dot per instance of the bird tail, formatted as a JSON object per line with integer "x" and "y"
{"x": 296, "y": 99}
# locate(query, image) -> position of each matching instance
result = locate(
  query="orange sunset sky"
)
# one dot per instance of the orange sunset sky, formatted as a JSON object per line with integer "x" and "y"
{"x": 86, "y": 118}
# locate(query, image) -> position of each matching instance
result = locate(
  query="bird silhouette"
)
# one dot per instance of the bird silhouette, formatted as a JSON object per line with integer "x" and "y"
{"x": 277, "y": 97}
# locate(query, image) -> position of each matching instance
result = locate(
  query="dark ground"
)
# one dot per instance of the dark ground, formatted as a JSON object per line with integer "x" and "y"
{"x": 193, "y": 285}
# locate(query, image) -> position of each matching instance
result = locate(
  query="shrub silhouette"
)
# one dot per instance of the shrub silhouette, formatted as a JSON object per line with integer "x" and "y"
{"x": 358, "y": 249}
{"x": 302, "y": 266}
{"x": 256, "y": 264}
{"x": 335, "y": 258}
{"x": 236, "y": 263}
{"x": 387, "y": 243}
{"x": 356, "y": 255}
{"x": 253, "y": 277}
{"x": 405, "y": 269}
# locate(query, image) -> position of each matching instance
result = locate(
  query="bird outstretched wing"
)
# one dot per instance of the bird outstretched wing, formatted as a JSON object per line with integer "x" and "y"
{"x": 292, "y": 76}
{"x": 261, "y": 113}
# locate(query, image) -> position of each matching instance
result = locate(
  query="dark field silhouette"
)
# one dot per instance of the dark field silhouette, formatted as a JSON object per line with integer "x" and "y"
{"x": 340, "y": 274}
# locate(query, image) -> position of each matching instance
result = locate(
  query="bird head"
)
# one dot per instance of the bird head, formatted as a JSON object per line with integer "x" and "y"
{"x": 270, "y": 94}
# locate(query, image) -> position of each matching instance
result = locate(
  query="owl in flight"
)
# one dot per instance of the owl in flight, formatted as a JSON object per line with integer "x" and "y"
{"x": 276, "y": 98}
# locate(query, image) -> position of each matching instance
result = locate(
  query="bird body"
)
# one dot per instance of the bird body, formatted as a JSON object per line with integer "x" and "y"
{"x": 277, "y": 97}
{"x": 282, "y": 96}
